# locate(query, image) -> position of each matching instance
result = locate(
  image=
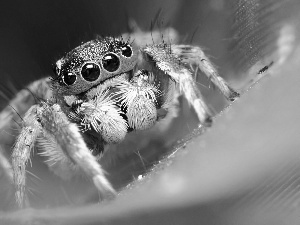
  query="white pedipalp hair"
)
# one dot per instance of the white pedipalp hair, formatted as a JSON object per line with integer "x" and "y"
{"x": 139, "y": 98}
{"x": 104, "y": 117}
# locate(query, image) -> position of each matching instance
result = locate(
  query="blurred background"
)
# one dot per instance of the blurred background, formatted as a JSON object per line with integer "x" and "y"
{"x": 35, "y": 34}
{"x": 244, "y": 170}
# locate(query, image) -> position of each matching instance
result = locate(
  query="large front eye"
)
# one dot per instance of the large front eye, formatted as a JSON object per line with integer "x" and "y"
{"x": 110, "y": 62}
{"x": 90, "y": 71}
{"x": 69, "y": 78}
{"x": 126, "y": 51}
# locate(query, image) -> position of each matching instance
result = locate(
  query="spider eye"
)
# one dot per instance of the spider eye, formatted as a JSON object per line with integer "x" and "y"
{"x": 69, "y": 78}
{"x": 126, "y": 51}
{"x": 56, "y": 70}
{"x": 90, "y": 71}
{"x": 110, "y": 62}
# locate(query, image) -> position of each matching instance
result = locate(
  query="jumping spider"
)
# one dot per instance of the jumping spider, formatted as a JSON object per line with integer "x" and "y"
{"x": 102, "y": 90}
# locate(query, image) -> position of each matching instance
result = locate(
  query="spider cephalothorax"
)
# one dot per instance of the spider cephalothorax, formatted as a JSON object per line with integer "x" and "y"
{"x": 102, "y": 90}
{"x": 93, "y": 62}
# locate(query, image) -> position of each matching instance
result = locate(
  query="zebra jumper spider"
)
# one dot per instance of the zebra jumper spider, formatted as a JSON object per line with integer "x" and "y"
{"x": 102, "y": 90}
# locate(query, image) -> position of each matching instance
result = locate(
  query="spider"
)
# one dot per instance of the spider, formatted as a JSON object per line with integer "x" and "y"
{"x": 102, "y": 90}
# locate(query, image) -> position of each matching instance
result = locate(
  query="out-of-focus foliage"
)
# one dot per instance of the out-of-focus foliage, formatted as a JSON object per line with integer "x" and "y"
{"x": 254, "y": 26}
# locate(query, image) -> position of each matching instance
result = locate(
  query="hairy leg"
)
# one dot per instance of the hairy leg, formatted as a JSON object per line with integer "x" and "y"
{"x": 163, "y": 58}
{"x": 14, "y": 112}
{"x": 47, "y": 120}
{"x": 194, "y": 56}
{"x": 21, "y": 152}
{"x": 68, "y": 137}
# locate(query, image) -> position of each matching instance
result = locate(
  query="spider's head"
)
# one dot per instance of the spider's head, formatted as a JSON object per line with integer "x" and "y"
{"x": 92, "y": 63}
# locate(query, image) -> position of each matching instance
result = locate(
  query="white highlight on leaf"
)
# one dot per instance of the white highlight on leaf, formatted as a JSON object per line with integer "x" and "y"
{"x": 285, "y": 42}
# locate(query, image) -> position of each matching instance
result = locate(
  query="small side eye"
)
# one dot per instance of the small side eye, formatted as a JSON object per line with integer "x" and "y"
{"x": 69, "y": 78}
{"x": 110, "y": 62}
{"x": 90, "y": 71}
{"x": 56, "y": 70}
{"x": 126, "y": 51}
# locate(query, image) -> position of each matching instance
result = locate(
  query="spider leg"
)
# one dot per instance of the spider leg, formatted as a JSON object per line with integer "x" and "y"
{"x": 68, "y": 137}
{"x": 56, "y": 159}
{"x": 167, "y": 62}
{"x": 12, "y": 114}
{"x": 171, "y": 102}
{"x": 21, "y": 152}
{"x": 51, "y": 121}
{"x": 193, "y": 55}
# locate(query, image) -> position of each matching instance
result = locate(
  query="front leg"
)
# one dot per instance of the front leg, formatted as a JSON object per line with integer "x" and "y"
{"x": 194, "y": 56}
{"x": 11, "y": 116}
{"x": 21, "y": 152}
{"x": 51, "y": 121}
{"x": 162, "y": 57}
{"x": 68, "y": 137}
